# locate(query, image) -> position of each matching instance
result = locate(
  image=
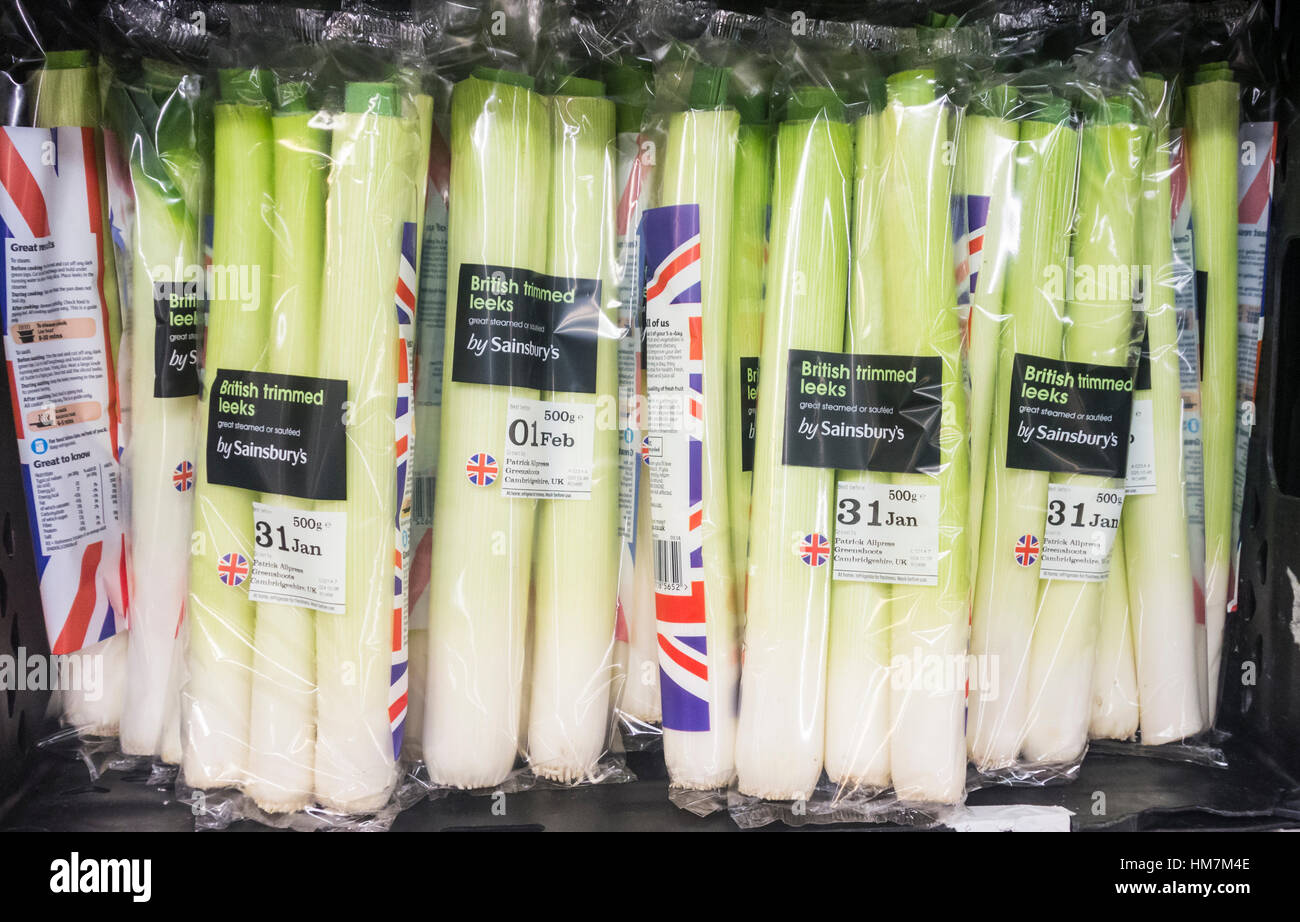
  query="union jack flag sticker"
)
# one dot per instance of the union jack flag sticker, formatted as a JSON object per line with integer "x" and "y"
{"x": 233, "y": 569}
{"x": 815, "y": 550}
{"x": 481, "y": 469}
{"x": 1027, "y": 550}
{"x": 645, "y": 450}
{"x": 183, "y": 476}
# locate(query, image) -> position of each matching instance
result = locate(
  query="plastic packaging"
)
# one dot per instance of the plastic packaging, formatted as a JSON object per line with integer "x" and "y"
{"x": 523, "y": 592}
{"x": 296, "y": 690}
{"x": 61, "y": 353}
{"x": 160, "y": 117}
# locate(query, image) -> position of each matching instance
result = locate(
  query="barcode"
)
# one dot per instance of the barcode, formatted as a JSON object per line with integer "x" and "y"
{"x": 422, "y": 500}
{"x": 668, "y": 562}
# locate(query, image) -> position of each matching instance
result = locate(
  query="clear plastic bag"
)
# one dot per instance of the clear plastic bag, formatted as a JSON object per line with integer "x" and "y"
{"x": 296, "y": 689}
{"x": 525, "y": 568}
{"x": 62, "y": 353}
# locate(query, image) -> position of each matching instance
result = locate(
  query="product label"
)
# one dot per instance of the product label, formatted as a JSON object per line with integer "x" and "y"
{"x": 54, "y": 322}
{"x": 1141, "y": 476}
{"x": 1069, "y": 417}
{"x": 748, "y": 410}
{"x": 548, "y": 449}
{"x": 516, "y": 328}
{"x": 1081, "y": 524}
{"x": 300, "y": 558}
{"x": 886, "y": 533}
{"x": 863, "y": 412}
{"x": 676, "y": 388}
{"x": 178, "y": 309}
{"x": 282, "y": 434}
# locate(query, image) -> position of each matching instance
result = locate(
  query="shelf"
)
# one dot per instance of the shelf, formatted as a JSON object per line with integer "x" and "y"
{"x": 1139, "y": 793}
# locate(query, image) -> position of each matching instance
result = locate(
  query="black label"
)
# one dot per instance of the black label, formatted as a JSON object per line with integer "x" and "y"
{"x": 278, "y": 434}
{"x": 748, "y": 410}
{"x": 516, "y": 328}
{"x": 178, "y": 309}
{"x": 1069, "y": 417}
{"x": 863, "y": 412}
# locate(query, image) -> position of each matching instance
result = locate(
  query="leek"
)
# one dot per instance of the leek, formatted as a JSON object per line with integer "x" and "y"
{"x": 857, "y": 677}
{"x": 66, "y": 94}
{"x": 576, "y": 585}
{"x": 1114, "y": 678}
{"x": 928, "y": 624}
{"x": 354, "y": 768}
{"x": 1006, "y": 592}
{"x": 748, "y": 264}
{"x": 282, "y": 735}
{"x": 167, "y": 176}
{"x": 1099, "y": 328}
{"x": 1162, "y": 600}
{"x": 780, "y": 740}
{"x": 482, "y": 543}
{"x": 217, "y": 698}
{"x": 987, "y": 169}
{"x": 1212, "y": 112}
{"x": 698, "y": 163}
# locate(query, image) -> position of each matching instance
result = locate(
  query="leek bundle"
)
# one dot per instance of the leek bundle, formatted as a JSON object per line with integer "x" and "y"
{"x": 482, "y": 542}
{"x": 1099, "y": 332}
{"x": 1212, "y": 112}
{"x": 354, "y": 768}
{"x": 857, "y": 677}
{"x": 1114, "y": 678}
{"x": 66, "y": 94}
{"x": 698, "y": 164}
{"x": 576, "y": 586}
{"x": 1006, "y": 592}
{"x": 1162, "y": 601}
{"x": 781, "y": 735}
{"x": 167, "y": 175}
{"x": 748, "y": 267}
{"x": 987, "y": 171}
{"x": 282, "y": 735}
{"x": 928, "y": 624}
{"x": 218, "y": 695}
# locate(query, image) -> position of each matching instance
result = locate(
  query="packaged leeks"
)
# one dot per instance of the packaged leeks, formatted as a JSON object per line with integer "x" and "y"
{"x": 525, "y": 571}
{"x": 158, "y": 109}
{"x": 294, "y": 704}
{"x": 1046, "y": 581}
{"x": 61, "y": 323}
{"x": 1228, "y": 82}
{"x": 854, "y": 710}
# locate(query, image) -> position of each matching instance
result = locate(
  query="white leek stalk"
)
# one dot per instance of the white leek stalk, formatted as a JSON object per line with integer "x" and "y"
{"x": 928, "y": 624}
{"x": 282, "y": 737}
{"x": 1114, "y": 678}
{"x": 355, "y": 761}
{"x": 1212, "y": 111}
{"x": 167, "y": 177}
{"x": 576, "y": 582}
{"x": 1162, "y": 601}
{"x": 857, "y": 678}
{"x": 216, "y": 700}
{"x": 1006, "y": 592}
{"x": 1063, "y": 648}
{"x": 698, "y": 164}
{"x": 482, "y": 543}
{"x": 781, "y": 737}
